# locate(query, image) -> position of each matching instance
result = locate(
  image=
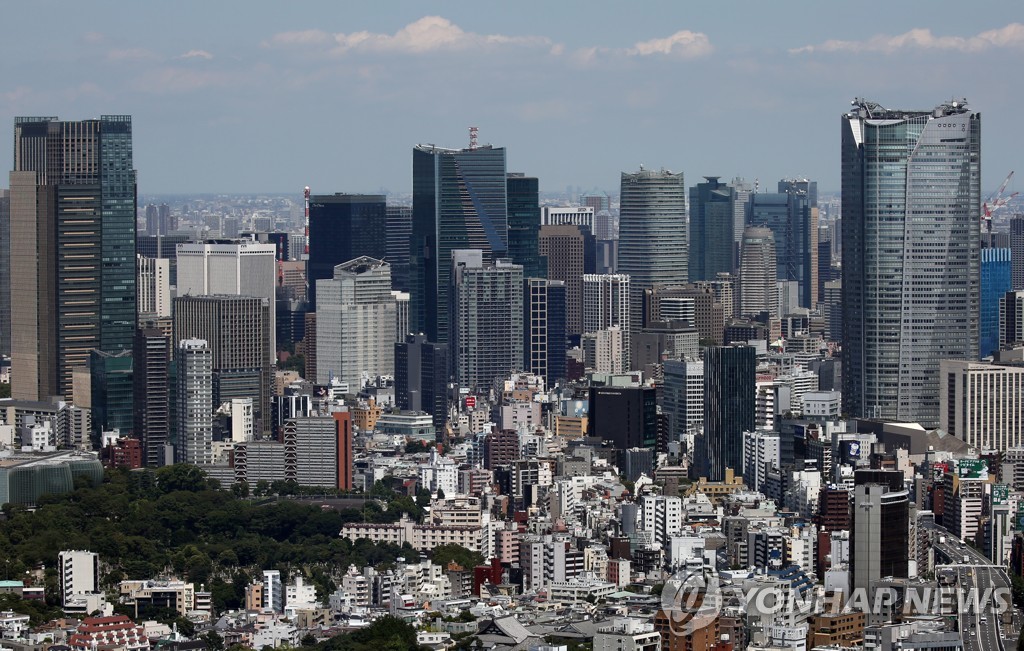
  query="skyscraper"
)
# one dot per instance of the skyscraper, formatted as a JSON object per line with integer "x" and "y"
{"x": 240, "y": 268}
{"x": 397, "y": 237}
{"x": 73, "y": 212}
{"x": 237, "y": 331}
{"x": 195, "y": 402}
{"x": 154, "y": 283}
{"x": 544, "y": 329}
{"x": 524, "y": 225}
{"x": 995, "y": 283}
{"x": 879, "y": 542}
{"x": 683, "y": 396}
{"x": 1011, "y": 318}
{"x": 910, "y": 238}
{"x": 1017, "y": 251}
{"x": 343, "y": 227}
{"x": 729, "y": 409}
{"x": 459, "y": 201}
{"x": 713, "y": 247}
{"x": 605, "y": 304}
{"x": 652, "y": 234}
{"x": 794, "y": 225}
{"x": 151, "y": 357}
{"x": 758, "y": 291}
{"x": 486, "y": 329}
{"x": 564, "y": 246}
{"x": 356, "y": 323}
{"x": 5, "y": 273}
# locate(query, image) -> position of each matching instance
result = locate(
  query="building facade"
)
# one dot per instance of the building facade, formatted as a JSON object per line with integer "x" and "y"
{"x": 982, "y": 404}
{"x": 195, "y": 402}
{"x": 343, "y": 227}
{"x": 758, "y": 290}
{"x": 995, "y": 283}
{"x": 911, "y": 240}
{"x": 729, "y": 409}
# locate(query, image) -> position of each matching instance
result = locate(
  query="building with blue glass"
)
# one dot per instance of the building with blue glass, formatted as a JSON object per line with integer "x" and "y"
{"x": 995, "y": 283}
{"x": 459, "y": 201}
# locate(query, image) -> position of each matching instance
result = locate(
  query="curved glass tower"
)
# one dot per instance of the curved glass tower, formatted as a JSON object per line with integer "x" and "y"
{"x": 911, "y": 242}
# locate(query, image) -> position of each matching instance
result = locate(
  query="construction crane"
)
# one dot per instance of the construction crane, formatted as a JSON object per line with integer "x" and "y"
{"x": 996, "y": 201}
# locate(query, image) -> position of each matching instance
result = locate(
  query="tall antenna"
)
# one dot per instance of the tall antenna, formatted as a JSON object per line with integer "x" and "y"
{"x": 306, "y": 250}
{"x": 472, "y": 137}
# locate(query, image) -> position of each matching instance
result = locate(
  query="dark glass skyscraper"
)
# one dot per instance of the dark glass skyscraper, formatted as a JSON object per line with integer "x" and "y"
{"x": 524, "y": 225}
{"x": 459, "y": 201}
{"x": 794, "y": 225}
{"x": 911, "y": 240}
{"x": 712, "y": 223}
{"x": 729, "y": 408}
{"x": 399, "y": 233}
{"x": 73, "y": 209}
{"x": 343, "y": 227}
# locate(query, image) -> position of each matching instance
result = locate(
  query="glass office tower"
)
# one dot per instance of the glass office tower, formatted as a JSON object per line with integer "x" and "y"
{"x": 911, "y": 241}
{"x": 459, "y": 201}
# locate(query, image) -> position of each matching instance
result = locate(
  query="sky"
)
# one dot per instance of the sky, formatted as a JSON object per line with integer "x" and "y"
{"x": 251, "y": 97}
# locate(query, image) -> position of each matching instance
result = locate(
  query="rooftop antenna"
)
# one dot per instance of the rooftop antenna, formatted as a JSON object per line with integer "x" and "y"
{"x": 472, "y": 137}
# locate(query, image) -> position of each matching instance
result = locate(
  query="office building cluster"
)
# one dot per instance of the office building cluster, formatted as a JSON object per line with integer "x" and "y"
{"x": 785, "y": 390}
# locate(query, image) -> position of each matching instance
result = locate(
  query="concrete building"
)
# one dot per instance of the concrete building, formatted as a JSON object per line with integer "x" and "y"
{"x": 240, "y": 268}
{"x": 1011, "y": 317}
{"x": 566, "y": 248}
{"x": 758, "y": 290}
{"x": 195, "y": 401}
{"x": 78, "y": 573}
{"x": 982, "y": 404}
{"x": 151, "y": 377}
{"x": 154, "y": 285}
{"x": 356, "y": 315}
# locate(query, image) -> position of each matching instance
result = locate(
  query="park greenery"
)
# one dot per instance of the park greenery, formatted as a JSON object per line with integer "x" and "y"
{"x": 174, "y": 521}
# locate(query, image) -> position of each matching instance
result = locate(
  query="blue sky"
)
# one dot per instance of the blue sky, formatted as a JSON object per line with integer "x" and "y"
{"x": 273, "y": 96}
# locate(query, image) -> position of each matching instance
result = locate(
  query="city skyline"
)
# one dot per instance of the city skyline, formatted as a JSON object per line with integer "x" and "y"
{"x": 213, "y": 100}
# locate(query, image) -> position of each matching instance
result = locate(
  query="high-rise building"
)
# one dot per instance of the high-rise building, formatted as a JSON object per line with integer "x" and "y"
{"x": 995, "y": 283}
{"x": 237, "y": 330}
{"x": 459, "y": 201}
{"x": 421, "y": 377}
{"x": 5, "y": 273}
{"x": 544, "y": 329}
{"x": 1017, "y": 251}
{"x": 486, "y": 329}
{"x": 758, "y": 291}
{"x": 565, "y": 247}
{"x": 195, "y": 403}
{"x": 652, "y": 234}
{"x": 712, "y": 226}
{"x": 729, "y": 409}
{"x": 355, "y": 323}
{"x": 110, "y": 392}
{"x": 793, "y": 221}
{"x": 524, "y": 225}
{"x": 241, "y": 268}
{"x": 343, "y": 227}
{"x": 910, "y": 237}
{"x": 73, "y": 226}
{"x": 880, "y": 540}
{"x": 398, "y": 234}
{"x": 683, "y": 396}
{"x": 154, "y": 283}
{"x": 605, "y": 304}
{"x": 151, "y": 377}
{"x": 318, "y": 448}
{"x": 675, "y": 303}
{"x": 1011, "y": 318}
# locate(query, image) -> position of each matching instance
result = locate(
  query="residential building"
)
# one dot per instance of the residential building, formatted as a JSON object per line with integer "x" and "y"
{"x": 486, "y": 338}
{"x": 910, "y": 255}
{"x": 151, "y": 378}
{"x": 195, "y": 402}
{"x": 78, "y": 573}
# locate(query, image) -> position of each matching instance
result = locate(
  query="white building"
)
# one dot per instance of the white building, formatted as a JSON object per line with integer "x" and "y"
{"x": 77, "y": 573}
{"x": 243, "y": 268}
{"x": 574, "y": 215}
{"x": 356, "y": 322}
{"x": 606, "y": 304}
{"x": 154, "y": 286}
{"x": 661, "y": 516}
{"x": 273, "y": 592}
{"x": 982, "y": 404}
{"x": 827, "y": 405}
{"x": 605, "y": 351}
{"x": 195, "y": 402}
{"x": 625, "y": 634}
{"x": 242, "y": 424}
{"x": 761, "y": 451}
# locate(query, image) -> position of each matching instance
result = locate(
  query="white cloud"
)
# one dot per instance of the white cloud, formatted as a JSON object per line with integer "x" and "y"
{"x": 683, "y": 43}
{"x": 428, "y": 34}
{"x": 196, "y": 54}
{"x": 1011, "y": 35}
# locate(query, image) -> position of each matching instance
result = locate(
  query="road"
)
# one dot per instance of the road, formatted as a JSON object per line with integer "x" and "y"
{"x": 982, "y": 631}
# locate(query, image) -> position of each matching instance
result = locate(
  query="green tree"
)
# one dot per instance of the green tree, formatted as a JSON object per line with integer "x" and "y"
{"x": 213, "y": 641}
{"x": 444, "y": 554}
{"x": 181, "y": 477}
